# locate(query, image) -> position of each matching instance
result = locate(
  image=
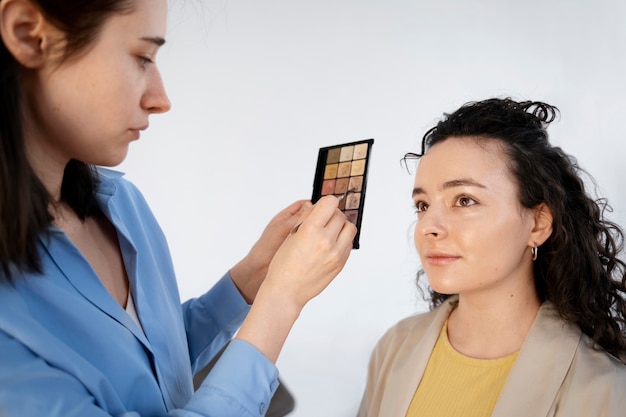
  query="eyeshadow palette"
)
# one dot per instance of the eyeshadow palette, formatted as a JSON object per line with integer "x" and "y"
{"x": 342, "y": 171}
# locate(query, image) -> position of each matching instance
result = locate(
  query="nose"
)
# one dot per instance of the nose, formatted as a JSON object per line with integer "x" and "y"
{"x": 155, "y": 98}
{"x": 431, "y": 224}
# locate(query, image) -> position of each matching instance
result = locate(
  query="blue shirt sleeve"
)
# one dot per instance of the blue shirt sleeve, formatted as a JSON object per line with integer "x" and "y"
{"x": 212, "y": 319}
{"x": 67, "y": 349}
{"x": 241, "y": 383}
{"x": 243, "y": 379}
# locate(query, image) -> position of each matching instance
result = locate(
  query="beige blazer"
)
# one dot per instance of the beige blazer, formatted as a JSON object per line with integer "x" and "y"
{"x": 557, "y": 372}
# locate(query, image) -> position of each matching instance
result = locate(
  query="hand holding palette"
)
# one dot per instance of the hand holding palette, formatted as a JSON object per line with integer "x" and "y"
{"x": 342, "y": 171}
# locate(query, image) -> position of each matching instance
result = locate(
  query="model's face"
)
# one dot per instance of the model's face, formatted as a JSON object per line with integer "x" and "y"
{"x": 90, "y": 108}
{"x": 472, "y": 233}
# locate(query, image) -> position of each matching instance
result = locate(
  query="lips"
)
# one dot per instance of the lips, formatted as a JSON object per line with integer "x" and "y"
{"x": 440, "y": 258}
{"x": 137, "y": 131}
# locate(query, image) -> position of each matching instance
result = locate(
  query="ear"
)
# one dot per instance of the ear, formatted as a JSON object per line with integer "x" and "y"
{"x": 542, "y": 228}
{"x": 26, "y": 33}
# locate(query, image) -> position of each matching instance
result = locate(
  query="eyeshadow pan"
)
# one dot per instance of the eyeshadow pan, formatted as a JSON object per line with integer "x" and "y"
{"x": 357, "y": 168}
{"x": 341, "y": 186}
{"x": 342, "y": 168}
{"x": 356, "y": 183}
{"x": 352, "y": 216}
{"x": 328, "y": 187}
{"x": 346, "y": 153}
{"x": 330, "y": 171}
{"x": 353, "y": 200}
{"x": 360, "y": 151}
{"x": 333, "y": 156}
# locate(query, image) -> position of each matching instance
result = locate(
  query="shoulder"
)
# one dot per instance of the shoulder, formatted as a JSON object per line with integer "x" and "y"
{"x": 593, "y": 362}
{"x": 410, "y": 330}
{"x": 409, "y": 326}
{"x": 595, "y": 381}
{"x": 552, "y": 335}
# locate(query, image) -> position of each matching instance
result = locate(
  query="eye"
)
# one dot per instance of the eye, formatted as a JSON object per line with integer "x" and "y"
{"x": 465, "y": 201}
{"x": 421, "y": 206}
{"x": 144, "y": 60}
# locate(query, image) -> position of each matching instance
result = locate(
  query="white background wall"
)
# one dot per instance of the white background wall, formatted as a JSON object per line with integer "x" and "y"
{"x": 258, "y": 86}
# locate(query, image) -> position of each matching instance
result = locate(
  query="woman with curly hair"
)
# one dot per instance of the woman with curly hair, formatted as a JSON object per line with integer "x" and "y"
{"x": 526, "y": 285}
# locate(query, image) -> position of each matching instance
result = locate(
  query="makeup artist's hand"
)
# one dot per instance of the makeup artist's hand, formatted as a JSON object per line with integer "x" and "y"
{"x": 249, "y": 273}
{"x": 314, "y": 253}
{"x": 308, "y": 260}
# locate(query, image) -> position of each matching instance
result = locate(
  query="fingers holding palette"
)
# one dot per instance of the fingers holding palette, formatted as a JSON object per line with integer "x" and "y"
{"x": 342, "y": 171}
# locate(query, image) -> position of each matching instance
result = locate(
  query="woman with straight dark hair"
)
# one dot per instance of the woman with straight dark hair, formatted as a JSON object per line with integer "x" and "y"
{"x": 526, "y": 284}
{"x": 91, "y": 323}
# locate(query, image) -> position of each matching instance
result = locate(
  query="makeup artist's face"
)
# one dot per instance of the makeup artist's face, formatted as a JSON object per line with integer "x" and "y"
{"x": 472, "y": 232}
{"x": 92, "y": 106}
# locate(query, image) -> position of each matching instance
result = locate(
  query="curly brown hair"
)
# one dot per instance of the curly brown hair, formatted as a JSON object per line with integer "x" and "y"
{"x": 579, "y": 269}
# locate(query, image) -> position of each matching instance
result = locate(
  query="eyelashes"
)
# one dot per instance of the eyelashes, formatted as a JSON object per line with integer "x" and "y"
{"x": 420, "y": 206}
{"x": 144, "y": 61}
{"x": 465, "y": 201}
{"x": 460, "y": 201}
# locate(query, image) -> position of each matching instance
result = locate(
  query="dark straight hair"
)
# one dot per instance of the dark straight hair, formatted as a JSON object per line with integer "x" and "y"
{"x": 24, "y": 201}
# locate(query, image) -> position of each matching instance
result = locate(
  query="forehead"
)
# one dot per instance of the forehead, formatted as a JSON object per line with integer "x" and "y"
{"x": 145, "y": 16}
{"x": 481, "y": 159}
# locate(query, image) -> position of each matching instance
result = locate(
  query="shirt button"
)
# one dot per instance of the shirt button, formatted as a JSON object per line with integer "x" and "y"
{"x": 262, "y": 408}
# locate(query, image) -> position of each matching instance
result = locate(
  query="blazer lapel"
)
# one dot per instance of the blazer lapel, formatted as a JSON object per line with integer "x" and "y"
{"x": 541, "y": 367}
{"x": 407, "y": 372}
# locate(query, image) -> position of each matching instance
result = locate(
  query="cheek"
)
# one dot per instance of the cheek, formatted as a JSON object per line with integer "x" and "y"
{"x": 501, "y": 245}
{"x": 107, "y": 85}
{"x": 418, "y": 238}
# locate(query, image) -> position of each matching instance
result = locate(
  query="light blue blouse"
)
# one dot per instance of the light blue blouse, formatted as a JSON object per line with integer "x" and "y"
{"x": 67, "y": 348}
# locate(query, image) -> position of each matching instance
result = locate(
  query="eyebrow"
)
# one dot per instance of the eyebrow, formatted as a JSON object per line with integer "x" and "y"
{"x": 157, "y": 40}
{"x": 464, "y": 182}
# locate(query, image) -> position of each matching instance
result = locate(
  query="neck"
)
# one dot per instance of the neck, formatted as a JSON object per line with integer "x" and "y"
{"x": 491, "y": 327}
{"x": 46, "y": 160}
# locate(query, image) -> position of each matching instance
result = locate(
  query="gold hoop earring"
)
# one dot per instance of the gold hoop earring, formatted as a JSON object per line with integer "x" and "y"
{"x": 534, "y": 251}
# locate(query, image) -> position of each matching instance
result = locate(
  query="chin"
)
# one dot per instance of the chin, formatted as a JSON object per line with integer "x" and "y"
{"x": 444, "y": 286}
{"x": 112, "y": 160}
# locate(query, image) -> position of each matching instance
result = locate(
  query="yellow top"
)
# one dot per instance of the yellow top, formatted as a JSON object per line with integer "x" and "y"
{"x": 457, "y": 385}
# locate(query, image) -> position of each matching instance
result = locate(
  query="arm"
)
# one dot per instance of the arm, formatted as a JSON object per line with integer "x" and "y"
{"x": 306, "y": 262}
{"x": 240, "y": 386}
{"x": 249, "y": 273}
{"x": 212, "y": 319}
{"x": 39, "y": 379}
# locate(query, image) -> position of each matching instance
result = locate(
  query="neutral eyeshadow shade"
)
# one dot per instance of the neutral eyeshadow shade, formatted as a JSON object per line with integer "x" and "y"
{"x": 341, "y": 185}
{"x": 328, "y": 187}
{"x": 351, "y": 215}
{"x": 333, "y": 156}
{"x": 358, "y": 168}
{"x": 344, "y": 169}
{"x": 356, "y": 183}
{"x": 353, "y": 201}
{"x": 331, "y": 171}
{"x": 360, "y": 151}
{"x": 346, "y": 153}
